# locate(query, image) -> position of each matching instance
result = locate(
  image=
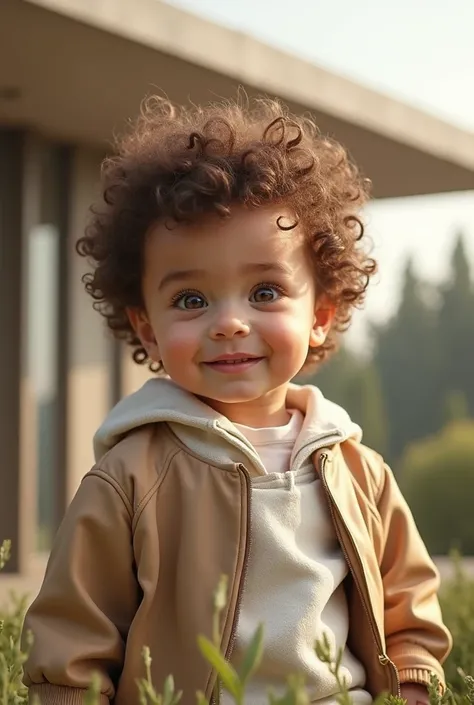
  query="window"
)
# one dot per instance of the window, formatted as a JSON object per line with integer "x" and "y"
{"x": 47, "y": 334}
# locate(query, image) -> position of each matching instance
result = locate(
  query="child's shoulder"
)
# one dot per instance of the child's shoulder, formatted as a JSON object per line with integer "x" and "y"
{"x": 367, "y": 467}
{"x": 138, "y": 462}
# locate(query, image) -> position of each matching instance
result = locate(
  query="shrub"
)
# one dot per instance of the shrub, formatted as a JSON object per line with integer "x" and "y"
{"x": 12, "y": 658}
{"x": 437, "y": 478}
{"x": 457, "y": 603}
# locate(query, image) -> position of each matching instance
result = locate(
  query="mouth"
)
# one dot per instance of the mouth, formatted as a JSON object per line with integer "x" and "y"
{"x": 237, "y": 362}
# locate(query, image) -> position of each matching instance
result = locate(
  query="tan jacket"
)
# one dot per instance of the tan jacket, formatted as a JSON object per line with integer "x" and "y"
{"x": 156, "y": 523}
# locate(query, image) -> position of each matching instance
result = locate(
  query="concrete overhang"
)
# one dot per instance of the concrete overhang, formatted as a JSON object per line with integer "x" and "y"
{"x": 78, "y": 69}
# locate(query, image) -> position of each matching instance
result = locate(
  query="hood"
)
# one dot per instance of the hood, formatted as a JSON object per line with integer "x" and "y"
{"x": 212, "y": 436}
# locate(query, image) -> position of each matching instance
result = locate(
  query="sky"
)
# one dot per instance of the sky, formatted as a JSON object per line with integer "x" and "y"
{"x": 420, "y": 52}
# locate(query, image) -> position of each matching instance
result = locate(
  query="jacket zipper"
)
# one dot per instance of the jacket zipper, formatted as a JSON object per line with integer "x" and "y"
{"x": 383, "y": 658}
{"x": 243, "y": 578}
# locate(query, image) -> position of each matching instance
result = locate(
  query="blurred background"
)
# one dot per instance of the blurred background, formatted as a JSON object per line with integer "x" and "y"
{"x": 392, "y": 82}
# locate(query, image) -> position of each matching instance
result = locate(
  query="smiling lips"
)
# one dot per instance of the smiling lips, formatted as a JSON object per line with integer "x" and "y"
{"x": 233, "y": 363}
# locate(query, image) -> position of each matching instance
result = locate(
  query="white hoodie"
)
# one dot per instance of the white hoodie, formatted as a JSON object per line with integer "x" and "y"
{"x": 296, "y": 570}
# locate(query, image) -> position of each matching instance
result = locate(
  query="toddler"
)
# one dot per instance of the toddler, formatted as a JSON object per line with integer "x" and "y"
{"x": 228, "y": 250}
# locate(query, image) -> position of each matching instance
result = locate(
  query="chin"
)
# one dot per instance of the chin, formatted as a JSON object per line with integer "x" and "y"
{"x": 240, "y": 395}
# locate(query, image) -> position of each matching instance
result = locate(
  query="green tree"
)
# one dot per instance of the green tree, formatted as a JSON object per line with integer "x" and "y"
{"x": 407, "y": 360}
{"x": 456, "y": 407}
{"x": 355, "y": 385}
{"x": 437, "y": 478}
{"x": 456, "y": 328}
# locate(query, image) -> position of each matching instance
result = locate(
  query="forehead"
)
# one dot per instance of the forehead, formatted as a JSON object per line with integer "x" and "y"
{"x": 248, "y": 236}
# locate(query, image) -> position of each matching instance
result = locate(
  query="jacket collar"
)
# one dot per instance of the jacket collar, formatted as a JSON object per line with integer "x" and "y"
{"x": 211, "y": 435}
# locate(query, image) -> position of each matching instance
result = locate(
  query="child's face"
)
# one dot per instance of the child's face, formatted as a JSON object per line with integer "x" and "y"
{"x": 231, "y": 308}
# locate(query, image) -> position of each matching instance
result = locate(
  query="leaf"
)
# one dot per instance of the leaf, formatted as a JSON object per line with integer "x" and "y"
{"x": 5, "y": 552}
{"x": 220, "y": 601}
{"x": 297, "y": 690}
{"x": 286, "y": 699}
{"x": 253, "y": 656}
{"x": 225, "y": 671}
{"x": 220, "y": 595}
{"x": 339, "y": 659}
{"x": 92, "y": 695}
{"x": 170, "y": 697}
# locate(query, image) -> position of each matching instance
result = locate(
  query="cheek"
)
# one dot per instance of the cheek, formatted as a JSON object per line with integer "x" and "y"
{"x": 290, "y": 332}
{"x": 178, "y": 342}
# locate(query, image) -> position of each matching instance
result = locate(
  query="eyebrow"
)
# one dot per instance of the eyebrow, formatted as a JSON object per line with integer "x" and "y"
{"x": 182, "y": 275}
{"x": 277, "y": 267}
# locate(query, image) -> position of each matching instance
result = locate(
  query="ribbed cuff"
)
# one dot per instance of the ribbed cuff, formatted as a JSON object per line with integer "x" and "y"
{"x": 48, "y": 694}
{"x": 416, "y": 664}
{"x": 419, "y": 676}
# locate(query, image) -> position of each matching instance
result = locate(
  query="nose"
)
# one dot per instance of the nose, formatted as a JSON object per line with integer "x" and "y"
{"x": 228, "y": 323}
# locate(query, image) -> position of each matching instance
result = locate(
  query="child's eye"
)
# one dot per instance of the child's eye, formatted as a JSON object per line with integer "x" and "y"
{"x": 265, "y": 294}
{"x": 189, "y": 301}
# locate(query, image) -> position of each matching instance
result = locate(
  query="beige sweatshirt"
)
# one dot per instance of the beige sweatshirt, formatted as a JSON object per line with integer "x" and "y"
{"x": 295, "y": 577}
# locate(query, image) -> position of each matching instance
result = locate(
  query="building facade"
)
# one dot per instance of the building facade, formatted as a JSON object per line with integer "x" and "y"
{"x": 72, "y": 72}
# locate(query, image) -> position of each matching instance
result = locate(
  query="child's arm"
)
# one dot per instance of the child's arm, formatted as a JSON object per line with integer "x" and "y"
{"x": 417, "y": 640}
{"x": 81, "y": 616}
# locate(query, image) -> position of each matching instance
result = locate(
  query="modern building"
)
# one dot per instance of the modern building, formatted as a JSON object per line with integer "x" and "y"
{"x": 71, "y": 73}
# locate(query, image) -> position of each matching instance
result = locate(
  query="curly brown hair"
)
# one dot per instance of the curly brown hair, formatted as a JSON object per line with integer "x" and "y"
{"x": 177, "y": 164}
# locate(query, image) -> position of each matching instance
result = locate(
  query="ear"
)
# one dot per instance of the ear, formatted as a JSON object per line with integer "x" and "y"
{"x": 324, "y": 313}
{"x": 141, "y": 325}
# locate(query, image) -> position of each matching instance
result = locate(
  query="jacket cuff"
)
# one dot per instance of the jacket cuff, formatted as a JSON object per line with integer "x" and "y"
{"x": 420, "y": 676}
{"x": 416, "y": 664}
{"x": 48, "y": 694}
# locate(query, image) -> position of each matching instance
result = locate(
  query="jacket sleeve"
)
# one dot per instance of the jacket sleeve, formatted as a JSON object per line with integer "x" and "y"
{"x": 417, "y": 640}
{"x": 81, "y": 617}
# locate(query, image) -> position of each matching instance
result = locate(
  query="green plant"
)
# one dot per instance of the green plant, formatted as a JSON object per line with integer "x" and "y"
{"x": 457, "y": 603}
{"x": 458, "y": 593}
{"x": 437, "y": 478}
{"x": 12, "y": 656}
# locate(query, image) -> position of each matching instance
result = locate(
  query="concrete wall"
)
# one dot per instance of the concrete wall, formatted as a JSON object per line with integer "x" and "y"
{"x": 84, "y": 362}
{"x": 89, "y": 379}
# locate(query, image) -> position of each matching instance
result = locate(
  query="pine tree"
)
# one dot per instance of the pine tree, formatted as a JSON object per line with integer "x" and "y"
{"x": 407, "y": 360}
{"x": 355, "y": 385}
{"x": 456, "y": 328}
